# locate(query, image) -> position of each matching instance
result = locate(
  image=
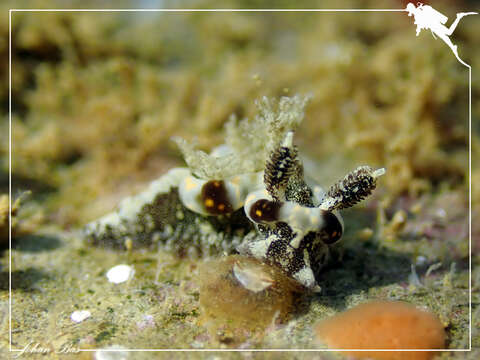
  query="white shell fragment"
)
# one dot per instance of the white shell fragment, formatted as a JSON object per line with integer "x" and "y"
{"x": 80, "y": 315}
{"x": 120, "y": 273}
{"x": 252, "y": 277}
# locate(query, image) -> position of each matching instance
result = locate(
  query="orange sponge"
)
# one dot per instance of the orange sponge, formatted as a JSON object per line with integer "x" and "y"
{"x": 384, "y": 325}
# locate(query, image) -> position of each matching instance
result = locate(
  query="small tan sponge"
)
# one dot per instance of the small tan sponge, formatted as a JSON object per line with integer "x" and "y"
{"x": 383, "y": 325}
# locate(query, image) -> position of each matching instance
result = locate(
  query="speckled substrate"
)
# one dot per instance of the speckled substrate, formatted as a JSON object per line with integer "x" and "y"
{"x": 383, "y": 98}
{"x": 165, "y": 289}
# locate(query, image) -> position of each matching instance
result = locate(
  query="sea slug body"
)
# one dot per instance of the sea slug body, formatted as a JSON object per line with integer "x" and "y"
{"x": 248, "y": 196}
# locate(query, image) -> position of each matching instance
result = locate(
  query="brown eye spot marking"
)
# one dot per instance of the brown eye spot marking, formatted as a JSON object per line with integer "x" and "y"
{"x": 264, "y": 210}
{"x": 215, "y": 199}
{"x": 332, "y": 231}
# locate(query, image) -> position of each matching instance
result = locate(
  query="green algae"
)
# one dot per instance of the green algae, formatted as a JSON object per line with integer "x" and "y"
{"x": 95, "y": 102}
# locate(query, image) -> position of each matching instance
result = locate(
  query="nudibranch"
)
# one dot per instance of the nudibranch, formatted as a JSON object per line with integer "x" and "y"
{"x": 249, "y": 196}
{"x": 298, "y": 223}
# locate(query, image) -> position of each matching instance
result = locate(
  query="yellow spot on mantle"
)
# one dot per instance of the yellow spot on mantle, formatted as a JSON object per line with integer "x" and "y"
{"x": 209, "y": 203}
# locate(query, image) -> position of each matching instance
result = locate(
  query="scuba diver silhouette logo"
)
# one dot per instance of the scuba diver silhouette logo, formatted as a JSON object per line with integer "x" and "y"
{"x": 427, "y": 17}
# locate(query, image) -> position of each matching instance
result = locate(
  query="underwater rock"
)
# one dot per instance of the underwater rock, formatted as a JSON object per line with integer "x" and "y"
{"x": 384, "y": 325}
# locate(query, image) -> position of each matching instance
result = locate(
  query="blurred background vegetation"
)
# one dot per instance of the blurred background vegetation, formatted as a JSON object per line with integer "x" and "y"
{"x": 96, "y": 96}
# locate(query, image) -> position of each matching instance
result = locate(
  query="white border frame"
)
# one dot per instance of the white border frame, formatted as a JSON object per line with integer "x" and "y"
{"x": 11, "y": 11}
